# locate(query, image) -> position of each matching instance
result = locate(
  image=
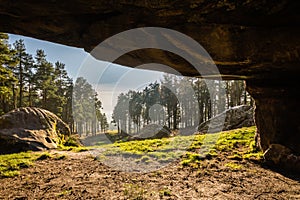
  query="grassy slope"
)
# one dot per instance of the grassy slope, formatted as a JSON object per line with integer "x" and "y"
{"x": 236, "y": 144}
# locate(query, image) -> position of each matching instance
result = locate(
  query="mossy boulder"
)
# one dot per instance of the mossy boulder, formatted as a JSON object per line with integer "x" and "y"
{"x": 31, "y": 128}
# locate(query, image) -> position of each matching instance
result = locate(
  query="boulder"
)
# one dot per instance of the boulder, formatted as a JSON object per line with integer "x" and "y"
{"x": 232, "y": 118}
{"x": 153, "y": 131}
{"x": 30, "y": 128}
{"x": 279, "y": 155}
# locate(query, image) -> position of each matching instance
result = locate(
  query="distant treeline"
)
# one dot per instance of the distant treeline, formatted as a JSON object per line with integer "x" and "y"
{"x": 177, "y": 102}
{"x": 27, "y": 80}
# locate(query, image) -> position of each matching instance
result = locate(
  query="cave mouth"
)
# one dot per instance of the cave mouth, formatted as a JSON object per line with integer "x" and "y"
{"x": 254, "y": 41}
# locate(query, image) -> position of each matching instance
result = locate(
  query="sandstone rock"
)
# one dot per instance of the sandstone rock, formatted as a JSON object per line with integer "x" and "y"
{"x": 277, "y": 120}
{"x": 245, "y": 39}
{"x": 236, "y": 117}
{"x": 30, "y": 129}
{"x": 279, "y": 155}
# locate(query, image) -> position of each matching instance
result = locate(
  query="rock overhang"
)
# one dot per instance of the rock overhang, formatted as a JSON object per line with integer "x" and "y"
{"x": 246, "y": 39}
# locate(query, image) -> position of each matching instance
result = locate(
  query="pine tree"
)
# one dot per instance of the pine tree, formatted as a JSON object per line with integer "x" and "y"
{"x": 170, "y": 101}
{"x": 135, "y": 108}
{"x": 103, "y": 122}
{"x": 19, "y": 70}
{"x": 85, "y": 106}
{"x": 7, "y": 80}
{"x": 44, "y": 80}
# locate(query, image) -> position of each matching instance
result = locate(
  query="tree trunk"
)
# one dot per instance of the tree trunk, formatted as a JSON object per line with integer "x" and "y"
{"x": 21, "y": 83}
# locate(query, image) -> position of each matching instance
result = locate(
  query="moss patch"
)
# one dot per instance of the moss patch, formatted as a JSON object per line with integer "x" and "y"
{"x": 235, "y": 144}
{"x": 233, "y": 166}
{"x": 10, "y": 164}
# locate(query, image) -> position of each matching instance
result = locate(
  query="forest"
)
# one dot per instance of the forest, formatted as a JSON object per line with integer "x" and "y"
{"x": 177, "y": 102}
{"x": 31, "y": 80}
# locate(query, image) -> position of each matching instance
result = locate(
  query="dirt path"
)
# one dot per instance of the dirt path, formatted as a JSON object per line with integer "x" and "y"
{"x": 80, "y": 176}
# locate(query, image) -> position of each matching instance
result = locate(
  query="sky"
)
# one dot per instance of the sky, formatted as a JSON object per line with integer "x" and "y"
{"x": 109, "y": 80}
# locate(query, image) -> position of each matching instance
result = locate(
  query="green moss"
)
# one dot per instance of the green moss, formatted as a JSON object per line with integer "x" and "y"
{"x": 10, "y": 164}
{"x": 253, "y": 156}
{"x": 80, "y": 149}
{"x": 143, "y": 146}
{"x": 233, "y": 166}
{"x": 60, "y": 157}
{"x": 71, "y": 142}
{"x": 165, "y": 192}
{"x": 238, "y": 144}
{"x": 229, "y": 140}
{"x": 74, "y": 149}
{"x": 190, "y": 159}
{"x": 44, "y": 156}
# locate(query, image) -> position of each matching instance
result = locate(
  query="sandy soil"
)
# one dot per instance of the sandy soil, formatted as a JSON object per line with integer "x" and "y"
{"x": 80, "y": 176}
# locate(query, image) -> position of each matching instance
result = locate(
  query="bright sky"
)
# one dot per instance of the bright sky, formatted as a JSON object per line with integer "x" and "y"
{"x": 109, "y": 80}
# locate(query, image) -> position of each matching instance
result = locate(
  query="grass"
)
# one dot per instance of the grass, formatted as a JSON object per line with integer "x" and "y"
{"x": 233, "y": 166}
{"x": 10, "y": 164}
{"x": 73, "y": 148}
{"x": 162, "y": 150}
{"x": 236, "y": 144}
{"x": 239, "y": 143}
{"x": 71, "y": 143}
{"x": 44, "y": 156}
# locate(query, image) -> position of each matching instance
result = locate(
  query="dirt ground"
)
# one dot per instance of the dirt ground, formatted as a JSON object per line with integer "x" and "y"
{"x": 80, "y": 176}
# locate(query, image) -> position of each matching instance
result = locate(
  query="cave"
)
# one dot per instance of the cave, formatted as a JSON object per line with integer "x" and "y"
{"x": 256, "y": 41}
